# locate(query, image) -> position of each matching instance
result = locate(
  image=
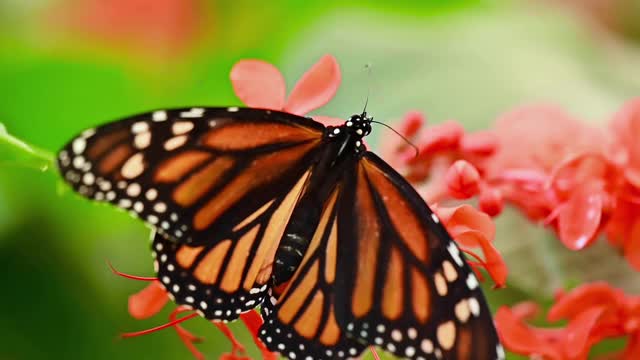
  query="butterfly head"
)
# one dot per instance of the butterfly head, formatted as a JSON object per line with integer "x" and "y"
{"x": 359, "y": 124}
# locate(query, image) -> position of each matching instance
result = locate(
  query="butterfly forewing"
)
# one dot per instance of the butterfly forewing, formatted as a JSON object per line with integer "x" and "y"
{"x": 192, "y": 173}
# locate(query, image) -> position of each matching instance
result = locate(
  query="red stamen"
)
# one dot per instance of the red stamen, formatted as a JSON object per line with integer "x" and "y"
{"x": 174, "y": 315}
{"x": 158, "y": 328}
{"x": 127, "y": 276}
{"x": 187, "y": 338}
{"x": 374, "y": 353}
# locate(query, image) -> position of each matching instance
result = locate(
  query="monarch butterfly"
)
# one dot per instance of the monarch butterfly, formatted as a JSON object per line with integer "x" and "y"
{"x": 255, "y": 207}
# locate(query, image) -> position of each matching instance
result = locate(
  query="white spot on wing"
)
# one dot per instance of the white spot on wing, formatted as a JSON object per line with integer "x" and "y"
{"x": 182, "y": 127}
{"x": 427, "y": 346}
{"x": 79, "y": 145}
{"x": 159, "y": 116}
{"x": 139, "y": 127}
{"x": 142, "y": 140}
{"x": 472, "y": 281}
{"x": 175, "y": 142}
{"x": 455, "y": 253}
{"x": 474, "y": 306}
{"x": 193, "y": 113}
{"x": 133, "y": 167}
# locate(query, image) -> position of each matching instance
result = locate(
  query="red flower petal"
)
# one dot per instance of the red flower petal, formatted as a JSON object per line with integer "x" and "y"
{"x": 626, "y": 126}
{"x": 148, "y": 302}
{"x": 253, "y": 321}
{"x": 411, "y": 123}
{"x": 494, "y": 263}
{"x": 633, "y": 348}
{"x": 491, "y": 201}
{"x": 465, "y": 217}
{"x": 479, "y": 143}
{"x": 463, "y": 180}
{"x": 582, "y": 298}
{"x": 316, "y": 87}
{"x": 258, "y": 84}
{"x": 632, "y": 246}
{"x": 579, "y": 219}
{"x": 526, "y": 310}
{"x": 520, "y": 338}
{"x": 578, "y": 330}
{"x": 442, "y": 137}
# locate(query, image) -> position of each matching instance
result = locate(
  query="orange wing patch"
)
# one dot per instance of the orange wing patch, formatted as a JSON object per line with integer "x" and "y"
{"x": 261, "y": 171}
{"x": 403, "y": 218}
{"x": 198, "y": 184}
{"x": 209, "y": 268}
{"x": 368, "y": 246}
{"x": 174, "y": 168}
{"x": 243, "y": 136}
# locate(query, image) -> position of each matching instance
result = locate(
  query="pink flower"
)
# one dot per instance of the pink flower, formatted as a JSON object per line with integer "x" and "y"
{"x": 594, "y": 312}
{"x": 581, "y": 181}
{"x": 261, "y": 85}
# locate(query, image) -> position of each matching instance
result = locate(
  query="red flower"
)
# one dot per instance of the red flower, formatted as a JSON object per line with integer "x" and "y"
{"x": 579, "y": 180}
{"x": 594, "y": 312}
{"x": 451, "y": 163}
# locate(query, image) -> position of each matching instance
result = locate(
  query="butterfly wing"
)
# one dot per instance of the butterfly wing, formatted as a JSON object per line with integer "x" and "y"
{"x": 219, "y": 186}
{"x": 301, "y": 322}
{"x": 404, "y": 285}
{"x": 194, "y": 174}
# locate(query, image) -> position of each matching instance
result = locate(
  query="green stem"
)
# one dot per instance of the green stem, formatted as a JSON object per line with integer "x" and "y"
{"x": 38, "y": 153}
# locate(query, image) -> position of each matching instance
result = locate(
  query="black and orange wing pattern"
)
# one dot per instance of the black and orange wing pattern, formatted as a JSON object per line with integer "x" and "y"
{"x": 192, "y": 172}
{"x": 404, "y": 284}
{"x": 217, "y": 184}
{"x": 301, "y": 322}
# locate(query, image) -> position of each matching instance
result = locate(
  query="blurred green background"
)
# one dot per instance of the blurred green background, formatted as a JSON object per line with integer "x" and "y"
{"x": 70, "y": 64}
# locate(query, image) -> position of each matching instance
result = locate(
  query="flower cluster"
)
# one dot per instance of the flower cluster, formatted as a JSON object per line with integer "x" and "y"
{"x": 593, "y": 312}
{"x": 579, "y": 180}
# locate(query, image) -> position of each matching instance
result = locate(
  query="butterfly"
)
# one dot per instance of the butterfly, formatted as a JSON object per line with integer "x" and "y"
{"x": 255, "y": 207}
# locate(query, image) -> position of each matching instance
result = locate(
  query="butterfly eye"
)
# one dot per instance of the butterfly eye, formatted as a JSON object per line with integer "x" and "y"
{"x": 355, "y": 118}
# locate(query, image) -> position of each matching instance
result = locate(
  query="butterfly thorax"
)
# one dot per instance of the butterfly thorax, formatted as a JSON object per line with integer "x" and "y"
{"x": 351, "y": 132}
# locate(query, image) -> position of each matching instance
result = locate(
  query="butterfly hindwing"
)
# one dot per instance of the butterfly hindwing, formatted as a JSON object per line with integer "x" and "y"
{"x": 405, "y": 286}
{"x": 301, "y": 322}
{"x": 196, "y": 173}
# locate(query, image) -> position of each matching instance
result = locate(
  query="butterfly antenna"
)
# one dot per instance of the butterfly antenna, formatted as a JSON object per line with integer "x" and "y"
{"x": 402, "y": 136}
{"x": 367, "y": 67}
